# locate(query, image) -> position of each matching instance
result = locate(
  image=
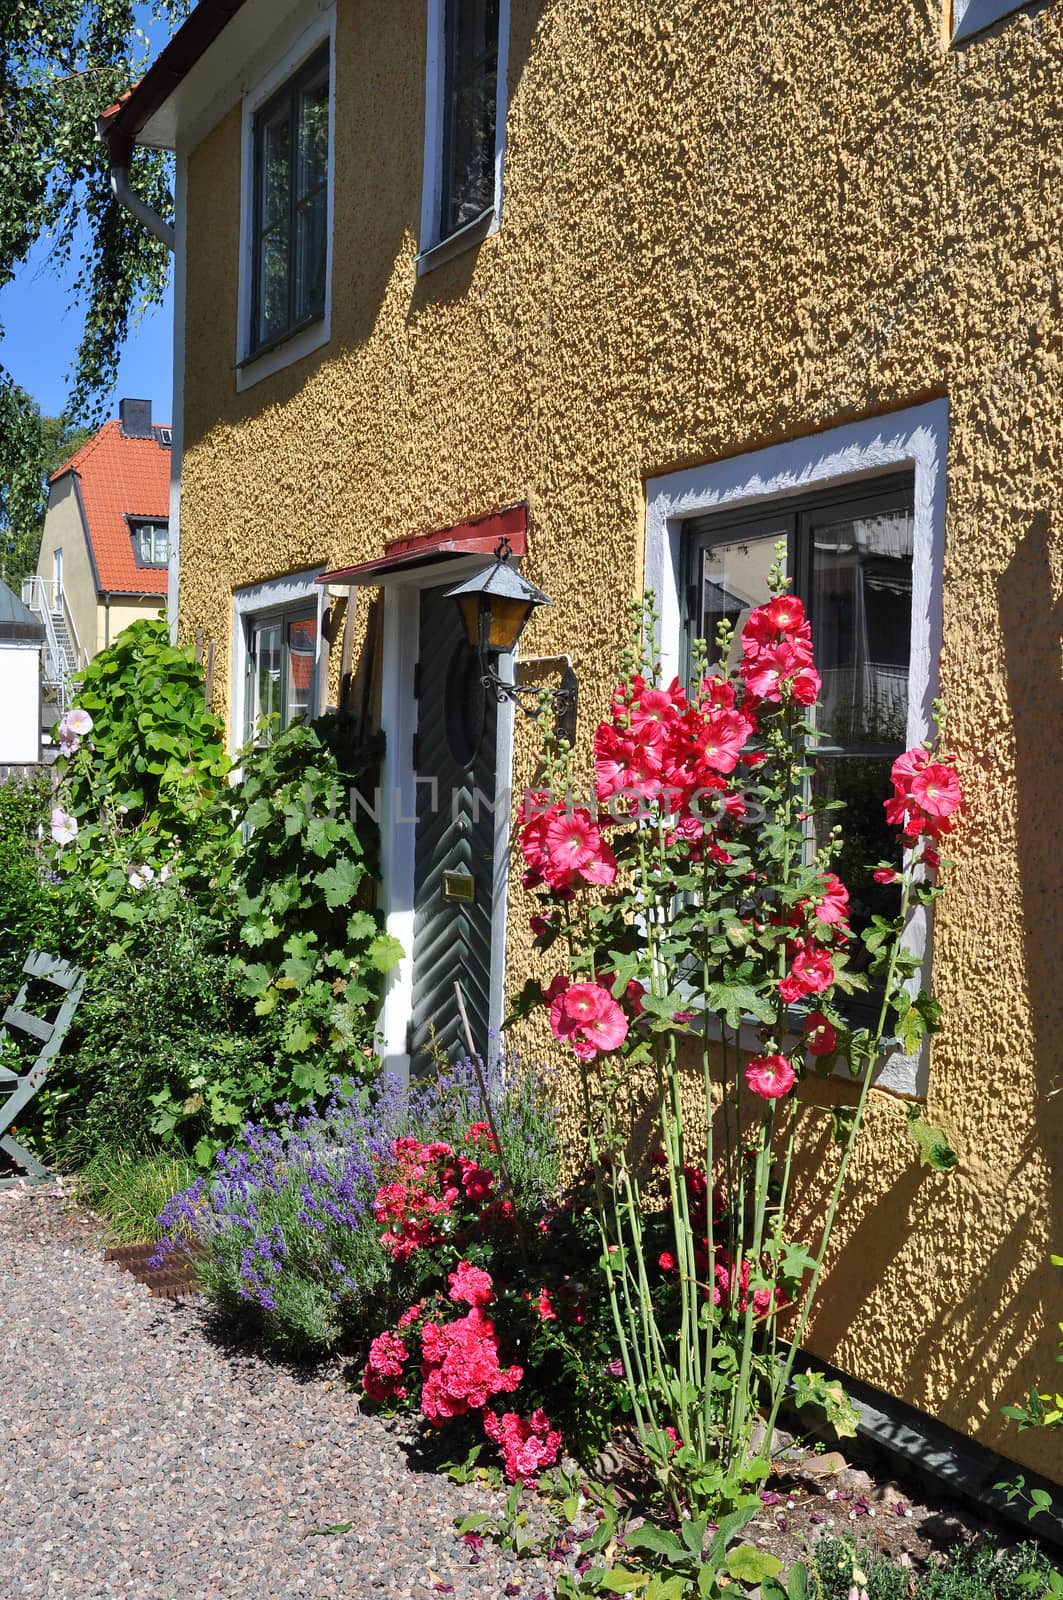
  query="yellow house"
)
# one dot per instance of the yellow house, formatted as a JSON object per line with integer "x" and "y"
{"x": 642, "y": 289}
{"x": 104, "y": 556}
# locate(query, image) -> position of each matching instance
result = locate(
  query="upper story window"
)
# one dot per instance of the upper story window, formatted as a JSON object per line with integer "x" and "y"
{"x": 291, "y": 143}
{"x": 285, "y": 289}
{"x": 465, "y": 124}
{"x": 151, "y": 542}
{"x": 971, "y": 16}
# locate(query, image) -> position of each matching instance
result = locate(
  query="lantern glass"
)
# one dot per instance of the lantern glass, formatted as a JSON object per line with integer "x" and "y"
{"x": 507, "y": 618}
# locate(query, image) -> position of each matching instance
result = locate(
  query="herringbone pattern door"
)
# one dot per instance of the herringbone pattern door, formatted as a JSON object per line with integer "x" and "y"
{"x": 455, "y": 840}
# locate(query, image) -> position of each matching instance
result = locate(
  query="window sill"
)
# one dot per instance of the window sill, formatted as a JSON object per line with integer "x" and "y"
{"x": 292, "y": 346}
{"x": 975, "y": 16}
{"x": 473, "y": 233}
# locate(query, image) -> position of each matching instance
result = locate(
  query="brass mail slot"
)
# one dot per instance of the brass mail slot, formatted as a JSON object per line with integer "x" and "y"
{"x": 459, "y": 886}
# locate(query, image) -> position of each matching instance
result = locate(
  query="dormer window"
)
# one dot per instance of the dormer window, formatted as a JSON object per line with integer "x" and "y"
{"x": 151, "y": 541}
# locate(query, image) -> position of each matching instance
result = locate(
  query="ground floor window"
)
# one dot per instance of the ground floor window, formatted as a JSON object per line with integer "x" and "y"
{"x": 281, "y": 653}
{"x": 276, "y": 652}
{"x": 849, "y": 552}
{"x": 861, "y": 511}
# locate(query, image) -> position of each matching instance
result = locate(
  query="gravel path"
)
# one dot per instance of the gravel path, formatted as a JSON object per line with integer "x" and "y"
{"x": 139, "y": 1458}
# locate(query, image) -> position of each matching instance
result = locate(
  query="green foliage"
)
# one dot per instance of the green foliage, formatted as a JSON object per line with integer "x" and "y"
{"x": 311, "y": 948}
{"x": 24, "y": 896}
{"x": 156, "y": 761}
{"x": 976, "y": 1571}
{"x": 129, "y": 1190}
{"x": 55, "y": 79}
{"x": 934, "y": 1149}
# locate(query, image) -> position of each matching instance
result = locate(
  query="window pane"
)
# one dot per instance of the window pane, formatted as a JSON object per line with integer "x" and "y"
{"x": 275, "y": 168}
{"x": 470, "y": 111}
{"x": 302, "y": 643}
{"x": 733, "y": 579}
{"x": 310, "y": 241}
{"x": 266, "y": 698}
{"x": 862, "y": 622}
{"x": 312, "y": 153}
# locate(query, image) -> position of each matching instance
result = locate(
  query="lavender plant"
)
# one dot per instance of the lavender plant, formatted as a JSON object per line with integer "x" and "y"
{"x": 284, "y": 1226}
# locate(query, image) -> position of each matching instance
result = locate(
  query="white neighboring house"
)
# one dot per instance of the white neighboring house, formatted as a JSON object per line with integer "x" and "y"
{"x": 21, "y": 638}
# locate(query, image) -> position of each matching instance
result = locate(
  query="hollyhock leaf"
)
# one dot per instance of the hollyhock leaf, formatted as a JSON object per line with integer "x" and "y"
{"x": 934, "y": 1149}
{"x": 751, "y": 1565}
{"x": 659, "y": 1540}
{"x": 338, "y": 883}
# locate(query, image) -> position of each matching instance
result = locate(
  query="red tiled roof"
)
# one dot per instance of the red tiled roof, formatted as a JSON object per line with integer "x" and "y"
{"x": 121, "y": 478}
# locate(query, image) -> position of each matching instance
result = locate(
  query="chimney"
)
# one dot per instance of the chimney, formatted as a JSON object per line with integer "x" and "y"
{"x": 134, "y": 418}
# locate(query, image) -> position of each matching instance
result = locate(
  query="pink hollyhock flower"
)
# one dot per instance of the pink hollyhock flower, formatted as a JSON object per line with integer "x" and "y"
{"x": 930, "y": 857}
{"x": 812, "y": 970}
{"x": 820, "y": 1034}
{"x": 558, "y": 985}
{"x": 718, "y": 693}
{"x": 471, "y": 1285}
{"x": 886, "y": 875}
{"x": 724, "y": 735}
{"x": 782, "y": 616}
{"x": 653, "y": 712}
{"x": 834, "y": 907}
{"x": 764, "y": 674}
{"x": 625, "y": 765}
{"x": 666, "y": 1261}
{"x": 544, "y": 1306}
{"x": 936, "y": 790}
{"x": 770, "y": 1077}
{"x": 571, "y": 841}
{"x": 539, "y": 926}
{"x": 588, "y": 1017}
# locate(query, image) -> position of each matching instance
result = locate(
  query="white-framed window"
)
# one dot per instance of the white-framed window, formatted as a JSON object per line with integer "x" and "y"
{"x": 971, "y": 16}
{"x": 465, "y": 122}
{"x": 285, "y": 292}
{"x": 276, "y": 655}
{"x": 862, "y": 509}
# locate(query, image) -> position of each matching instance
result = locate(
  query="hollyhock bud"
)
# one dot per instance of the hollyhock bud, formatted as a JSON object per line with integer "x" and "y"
{"x": 820, "y": 1035}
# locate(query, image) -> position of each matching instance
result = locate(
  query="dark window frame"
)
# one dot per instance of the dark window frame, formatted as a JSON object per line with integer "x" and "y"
{"x": 797, "y": 513}
{"x": 136, "y": 526}
{"x": 255, "y": 622}
{"x": 447, "y": 226}
{"x": 287, "y": 94}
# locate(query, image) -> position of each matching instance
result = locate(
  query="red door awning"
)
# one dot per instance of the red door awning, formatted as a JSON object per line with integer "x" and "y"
{"x": 480, "y": 537}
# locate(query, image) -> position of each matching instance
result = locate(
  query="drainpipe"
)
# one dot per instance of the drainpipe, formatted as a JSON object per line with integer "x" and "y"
{"x": 120, "y": 146}
{"x": 106, "y": 620}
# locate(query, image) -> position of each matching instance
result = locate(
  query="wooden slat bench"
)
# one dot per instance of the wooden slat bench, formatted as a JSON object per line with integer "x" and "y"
{"x": 18, "y": 1089}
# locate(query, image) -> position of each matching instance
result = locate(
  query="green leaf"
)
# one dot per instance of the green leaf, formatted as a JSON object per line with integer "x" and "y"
{"x": 934, "y": 1150}
{"x": 621, "y": 1580}
{"x": 385, "y": 952}
{"x": 751, "y": 1565}
{"x": 325, "y": 1533}
{"x": 339, "y": 883}
{"x": 659, "y": 1540}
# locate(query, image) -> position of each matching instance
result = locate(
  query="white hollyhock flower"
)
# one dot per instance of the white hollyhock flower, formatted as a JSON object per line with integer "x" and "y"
{"x": 64, "y": 826}
{"x": 77, "y": 721}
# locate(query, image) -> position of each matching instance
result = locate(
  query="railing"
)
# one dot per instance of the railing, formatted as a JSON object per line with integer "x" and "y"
{"x": 80, "y": 658}
{"x": 40, "y": 594}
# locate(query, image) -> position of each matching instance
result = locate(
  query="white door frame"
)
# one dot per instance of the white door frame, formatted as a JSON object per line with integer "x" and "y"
{"x": 397, "y": 801}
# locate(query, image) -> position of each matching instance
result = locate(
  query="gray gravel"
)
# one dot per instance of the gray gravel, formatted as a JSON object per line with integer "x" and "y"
{"x": 140, "y": 1458}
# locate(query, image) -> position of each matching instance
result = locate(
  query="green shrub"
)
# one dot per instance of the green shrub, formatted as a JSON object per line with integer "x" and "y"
{"x": 128, "y": 1191}
{"x": 25, "y": 900}
{"x": 310, "y": 946}
{"x": 976, "y": 1571}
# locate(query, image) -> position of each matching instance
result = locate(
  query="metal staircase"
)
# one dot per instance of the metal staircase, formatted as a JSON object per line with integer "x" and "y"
{"x": 63, "y": 654}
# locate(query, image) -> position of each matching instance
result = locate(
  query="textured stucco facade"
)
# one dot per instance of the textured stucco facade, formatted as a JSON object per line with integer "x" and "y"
{"x": 725, "y": 225}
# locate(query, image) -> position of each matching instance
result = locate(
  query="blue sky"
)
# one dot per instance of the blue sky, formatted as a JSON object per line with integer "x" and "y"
{"x": 41, "y": 332}
{"x": 41, "y": 335}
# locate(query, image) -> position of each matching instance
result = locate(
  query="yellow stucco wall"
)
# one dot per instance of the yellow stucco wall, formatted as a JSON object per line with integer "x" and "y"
{"x": 726, "y": 225}
{"x": 64, "y": 530}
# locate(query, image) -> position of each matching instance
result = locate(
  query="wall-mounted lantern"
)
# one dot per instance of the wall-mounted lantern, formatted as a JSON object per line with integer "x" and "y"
{"x": 495, "y": 606}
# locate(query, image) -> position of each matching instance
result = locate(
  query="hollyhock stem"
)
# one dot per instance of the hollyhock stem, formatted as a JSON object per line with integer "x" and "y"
{"x": 489, "y": 1114}
{"x": 847, "y": 1149}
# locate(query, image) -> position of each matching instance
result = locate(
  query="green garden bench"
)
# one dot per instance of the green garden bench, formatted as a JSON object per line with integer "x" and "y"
{"x": 34, "y": 1033}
